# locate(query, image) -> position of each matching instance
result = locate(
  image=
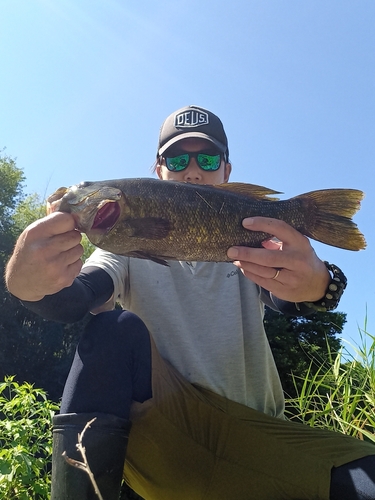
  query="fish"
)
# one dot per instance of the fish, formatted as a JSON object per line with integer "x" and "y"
{"x": 168, "y": 220}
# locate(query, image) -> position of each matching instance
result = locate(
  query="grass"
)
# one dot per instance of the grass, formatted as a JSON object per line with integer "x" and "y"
{"x": 340, "y": 395}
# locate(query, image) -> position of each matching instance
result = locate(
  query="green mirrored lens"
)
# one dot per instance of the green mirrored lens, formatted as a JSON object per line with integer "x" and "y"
{"x": 177, "y": 163}
{"x": 205, "y": 161}
{"x": 208, "y": 162}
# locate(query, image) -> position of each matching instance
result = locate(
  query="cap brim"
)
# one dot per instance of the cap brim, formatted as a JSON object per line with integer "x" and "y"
{"x": 222, "y": 148}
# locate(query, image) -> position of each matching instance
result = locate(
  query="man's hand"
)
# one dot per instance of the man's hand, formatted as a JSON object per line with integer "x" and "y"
{"x": 46, "y": 258}
{"x": 302, "y": 275}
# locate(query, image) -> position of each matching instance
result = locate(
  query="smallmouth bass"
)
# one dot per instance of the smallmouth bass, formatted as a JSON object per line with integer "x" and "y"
{"x": 168, "y": 220}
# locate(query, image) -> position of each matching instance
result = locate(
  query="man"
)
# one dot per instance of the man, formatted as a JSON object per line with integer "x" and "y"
{"x": 187, "y": 362}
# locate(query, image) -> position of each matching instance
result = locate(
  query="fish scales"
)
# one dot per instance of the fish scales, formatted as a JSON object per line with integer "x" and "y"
{"x": 167, "y": 220}
{"x": 197, "y": 218}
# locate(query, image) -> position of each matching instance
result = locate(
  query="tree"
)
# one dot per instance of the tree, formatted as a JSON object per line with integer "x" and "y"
{"x": 11, "y": 193}
{"x": 31, "y": 348}
{"x": 300, "y": 342}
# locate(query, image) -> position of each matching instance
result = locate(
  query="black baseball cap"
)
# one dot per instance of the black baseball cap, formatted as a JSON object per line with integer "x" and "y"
{"x": 192, "y": 121}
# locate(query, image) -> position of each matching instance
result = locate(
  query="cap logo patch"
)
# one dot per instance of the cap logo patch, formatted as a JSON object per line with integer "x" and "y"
{"x": 191, "y": 118}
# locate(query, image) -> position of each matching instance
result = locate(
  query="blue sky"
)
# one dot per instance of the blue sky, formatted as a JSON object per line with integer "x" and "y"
{"x": 86, "y": 84}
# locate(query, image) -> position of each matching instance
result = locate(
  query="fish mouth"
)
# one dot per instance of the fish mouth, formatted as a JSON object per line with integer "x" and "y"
{"x": 107, "y": 216}
{"x": 95, "y": 208}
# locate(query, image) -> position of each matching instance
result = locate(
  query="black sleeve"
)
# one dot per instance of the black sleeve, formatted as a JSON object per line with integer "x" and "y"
{"x": 92, "y": 288}
{"x": 285, "y": 307}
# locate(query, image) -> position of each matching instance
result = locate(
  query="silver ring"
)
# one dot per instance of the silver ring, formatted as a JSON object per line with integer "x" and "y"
{"x": 276, "y": 275}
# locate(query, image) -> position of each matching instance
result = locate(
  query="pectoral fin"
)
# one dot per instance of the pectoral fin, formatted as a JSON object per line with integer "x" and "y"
{"x": 144, "y": 255}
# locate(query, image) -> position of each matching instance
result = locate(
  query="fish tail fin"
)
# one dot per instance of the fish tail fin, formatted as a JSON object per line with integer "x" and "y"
{"x": 333, "y": 211}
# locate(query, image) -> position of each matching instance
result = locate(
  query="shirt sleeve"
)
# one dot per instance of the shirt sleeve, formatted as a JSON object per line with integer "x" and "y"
{"x": 90, "y": 289}
{"x": 285, "y": 307}
{"x": 117, "y": 267}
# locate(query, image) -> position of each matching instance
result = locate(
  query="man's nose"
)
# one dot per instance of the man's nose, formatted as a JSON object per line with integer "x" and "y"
{"x": 193, "y": 173}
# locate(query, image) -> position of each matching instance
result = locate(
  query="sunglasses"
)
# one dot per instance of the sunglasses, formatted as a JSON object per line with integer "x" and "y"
{"x": 207, "y": 162}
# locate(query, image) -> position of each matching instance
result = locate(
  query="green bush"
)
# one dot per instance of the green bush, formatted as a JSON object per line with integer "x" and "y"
{"x": 25, "y": 441}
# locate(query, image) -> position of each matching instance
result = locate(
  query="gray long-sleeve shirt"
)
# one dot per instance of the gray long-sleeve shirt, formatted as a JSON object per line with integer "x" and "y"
{"x": 206, "y": 320}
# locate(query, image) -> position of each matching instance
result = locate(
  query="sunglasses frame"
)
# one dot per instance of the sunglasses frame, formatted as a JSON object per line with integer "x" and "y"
{"x": 194, "y": 155}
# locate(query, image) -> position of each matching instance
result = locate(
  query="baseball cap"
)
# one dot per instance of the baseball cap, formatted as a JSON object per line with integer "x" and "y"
{"x": 192, "y": 121}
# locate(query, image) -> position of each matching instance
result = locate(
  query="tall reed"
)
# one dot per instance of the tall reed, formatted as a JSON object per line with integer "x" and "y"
{"x": 340, "y": 395}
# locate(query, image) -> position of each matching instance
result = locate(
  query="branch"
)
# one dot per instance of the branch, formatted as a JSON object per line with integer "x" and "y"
{"x": 84, "y": 465}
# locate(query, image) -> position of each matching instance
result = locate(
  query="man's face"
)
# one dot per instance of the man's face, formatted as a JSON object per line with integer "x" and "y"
{"x": 193, "y": 173}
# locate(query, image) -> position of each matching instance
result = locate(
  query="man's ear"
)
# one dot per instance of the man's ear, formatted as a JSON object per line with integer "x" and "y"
{"x": 158, "y": 170}
{"x": 227, "y": 171}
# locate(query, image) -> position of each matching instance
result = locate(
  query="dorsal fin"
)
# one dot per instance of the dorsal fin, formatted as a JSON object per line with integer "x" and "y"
{"x": 250, "y": 190}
